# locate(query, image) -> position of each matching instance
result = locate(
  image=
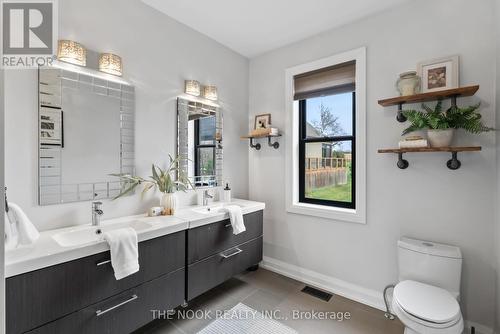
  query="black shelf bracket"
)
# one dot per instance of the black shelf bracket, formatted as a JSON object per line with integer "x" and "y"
{"x": 453, "y": 101}
{"x": 402, "y": 163}
{"x": 453, "y": 163}
{"x": 255, "y": 146}
{"x": 275, "y": 145}
{"x": 400, "y": 117}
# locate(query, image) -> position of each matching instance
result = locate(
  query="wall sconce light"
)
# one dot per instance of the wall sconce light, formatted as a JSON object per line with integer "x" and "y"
{"x": 72, "y": 52}
{"x": 210, "y": 93}
{"x": 192, "y": 87}
{"x": 111, "y": 64}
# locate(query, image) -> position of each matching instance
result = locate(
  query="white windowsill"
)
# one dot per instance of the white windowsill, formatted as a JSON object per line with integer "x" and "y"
{"x": 322, "y": 211}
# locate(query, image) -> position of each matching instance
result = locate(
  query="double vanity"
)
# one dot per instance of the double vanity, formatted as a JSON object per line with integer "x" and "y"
{"x": 64, "y": 283}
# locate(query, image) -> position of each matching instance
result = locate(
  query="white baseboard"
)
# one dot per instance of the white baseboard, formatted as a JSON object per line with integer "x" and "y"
{"x": 480, "y": 329}
{"x": 345, "y": 289}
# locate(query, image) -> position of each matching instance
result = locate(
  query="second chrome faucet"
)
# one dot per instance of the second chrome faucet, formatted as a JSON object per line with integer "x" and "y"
{"x": 96, "y": 213}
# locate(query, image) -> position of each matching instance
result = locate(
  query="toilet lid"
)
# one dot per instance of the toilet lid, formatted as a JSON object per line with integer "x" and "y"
{"x": 426, "y": 302}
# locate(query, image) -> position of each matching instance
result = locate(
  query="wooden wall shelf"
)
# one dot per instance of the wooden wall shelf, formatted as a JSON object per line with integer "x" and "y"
{"x": 452, "y": 164}
{"x": 426, "y": 97}
{"x": 257, "y": 146}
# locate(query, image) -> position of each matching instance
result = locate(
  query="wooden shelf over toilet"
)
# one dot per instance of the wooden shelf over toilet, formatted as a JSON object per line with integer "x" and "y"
{"x": 453, "y": 163}
{"x": 426, "y": 97}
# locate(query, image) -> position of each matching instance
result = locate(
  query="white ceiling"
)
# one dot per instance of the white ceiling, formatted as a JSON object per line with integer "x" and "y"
{"x": 254, "y": 27}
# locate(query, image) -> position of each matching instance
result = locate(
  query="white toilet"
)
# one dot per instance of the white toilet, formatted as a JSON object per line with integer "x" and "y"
{"x": 425, "y": 299}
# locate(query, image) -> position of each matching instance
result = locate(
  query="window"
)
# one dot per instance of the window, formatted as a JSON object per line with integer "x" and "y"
{"x": 326, "y": 137}
{"x": 326, "y": 150}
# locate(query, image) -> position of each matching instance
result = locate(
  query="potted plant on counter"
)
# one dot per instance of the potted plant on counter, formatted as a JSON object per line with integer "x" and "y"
{"x": 441, "y": 125}
{"x": 161, "y": 179}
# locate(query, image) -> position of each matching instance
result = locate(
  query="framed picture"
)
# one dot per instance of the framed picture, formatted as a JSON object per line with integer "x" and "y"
{"x": 262, "y": 121}
{"x": 439, "y": 74}
{"x": 51, "y": 126}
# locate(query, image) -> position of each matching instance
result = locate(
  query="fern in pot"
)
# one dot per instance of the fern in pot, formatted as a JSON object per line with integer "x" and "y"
{"x": 441, "y": 125}
{"x": 162, "y": 180}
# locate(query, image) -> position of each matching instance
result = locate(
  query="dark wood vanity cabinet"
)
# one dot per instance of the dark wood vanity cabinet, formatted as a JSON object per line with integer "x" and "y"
{"x": 83, "y": 296}
{"x": 69, "y": 294}
{"x": 215, "y": 254}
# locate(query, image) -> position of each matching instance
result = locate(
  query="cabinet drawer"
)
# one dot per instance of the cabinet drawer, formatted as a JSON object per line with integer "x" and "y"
{"x": 216, "y": 269}
{"x": 41, "y": 296}
{"x": 214, "y": 238}
{"x": 125, "y": 312}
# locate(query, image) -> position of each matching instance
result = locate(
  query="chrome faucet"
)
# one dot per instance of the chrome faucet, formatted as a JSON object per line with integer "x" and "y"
{"x": 206, "y": 196}
{"x": 96, "y": 213}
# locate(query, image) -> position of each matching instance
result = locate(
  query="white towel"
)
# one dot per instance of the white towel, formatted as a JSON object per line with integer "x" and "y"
{"x": 236, "y": 218}
{"x": 10, "y": 234}
{"x": 124, "y": 251}
{"x": 26, "y": 231}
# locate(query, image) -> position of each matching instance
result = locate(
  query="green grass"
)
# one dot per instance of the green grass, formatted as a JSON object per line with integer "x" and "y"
{"x": 340, "y": 193}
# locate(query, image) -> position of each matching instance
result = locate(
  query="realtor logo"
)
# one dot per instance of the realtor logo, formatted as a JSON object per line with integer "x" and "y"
{"x": 28, "y": 33}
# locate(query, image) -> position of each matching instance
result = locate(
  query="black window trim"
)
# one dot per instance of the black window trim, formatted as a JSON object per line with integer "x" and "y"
{"x": 303, "y": 140}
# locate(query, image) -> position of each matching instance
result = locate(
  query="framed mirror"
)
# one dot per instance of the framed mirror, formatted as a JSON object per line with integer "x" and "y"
{"x": 86, "y": 133}
{"x": 199, "y": 142}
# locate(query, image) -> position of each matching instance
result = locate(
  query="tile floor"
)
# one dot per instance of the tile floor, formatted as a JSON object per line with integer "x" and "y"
{"x": 265, "y": 290}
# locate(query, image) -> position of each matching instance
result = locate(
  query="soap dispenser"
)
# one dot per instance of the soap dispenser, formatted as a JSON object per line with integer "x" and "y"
{"x": 227, "y": 193}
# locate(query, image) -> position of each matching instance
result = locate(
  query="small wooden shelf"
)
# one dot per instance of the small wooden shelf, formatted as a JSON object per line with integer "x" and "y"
{"x": 432, "y": 96}
{"x": 453, "y": 163}
{"x": 259, "y": 136}
{"x": 426, "y": 97}
{"x": 257, "y": 146}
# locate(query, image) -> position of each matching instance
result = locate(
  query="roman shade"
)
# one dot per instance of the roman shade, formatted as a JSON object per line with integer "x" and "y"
{"x": 327, "y": 81}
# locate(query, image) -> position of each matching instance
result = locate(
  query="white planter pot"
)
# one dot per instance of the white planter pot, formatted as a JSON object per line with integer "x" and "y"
{"x": 170, "y": 203}
{"x": 440, "y": 138}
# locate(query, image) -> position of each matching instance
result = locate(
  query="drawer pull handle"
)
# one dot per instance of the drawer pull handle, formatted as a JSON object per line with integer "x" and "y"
{"x": 236, "y": 252}
{"x": 227, "y": 225}
{"x": 99, "y": 312}
{"x": 103, "y": 263}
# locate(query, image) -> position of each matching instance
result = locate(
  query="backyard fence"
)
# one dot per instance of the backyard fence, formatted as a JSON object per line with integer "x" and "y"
{"x": 325, "y": 172}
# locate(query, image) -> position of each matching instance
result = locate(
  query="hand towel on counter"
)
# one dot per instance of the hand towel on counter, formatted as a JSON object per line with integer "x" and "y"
{"x": 10, "y": 234}
{"x": 236, "y": 218}
{"x": 124, "y": 251}
{"x": 26, "y": 231}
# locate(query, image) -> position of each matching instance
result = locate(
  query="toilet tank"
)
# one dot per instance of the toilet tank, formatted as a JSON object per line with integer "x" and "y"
{"x": 432, "y": 263}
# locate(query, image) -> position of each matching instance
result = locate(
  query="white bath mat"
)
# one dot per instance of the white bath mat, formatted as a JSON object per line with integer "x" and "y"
{"x": 242, "y": 319}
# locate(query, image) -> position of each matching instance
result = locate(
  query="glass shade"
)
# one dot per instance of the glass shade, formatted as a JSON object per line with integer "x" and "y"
{"x": 192, "y": 87}
{"x": 110, "y": 63}
{"x": 210, "y": 93}
{"x": 72, "y": 52}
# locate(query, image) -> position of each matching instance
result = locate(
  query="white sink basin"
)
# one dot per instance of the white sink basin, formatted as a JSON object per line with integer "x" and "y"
{"x": 212, "y": 209}
{"x": 88, "y": 234}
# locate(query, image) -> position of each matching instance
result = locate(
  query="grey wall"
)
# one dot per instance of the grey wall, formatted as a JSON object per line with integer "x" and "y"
{"x": 2, "y": 204}
{"x": 426, "y": 201}
{"x": 497, "y": 218}
{"x": 158, "y": 54}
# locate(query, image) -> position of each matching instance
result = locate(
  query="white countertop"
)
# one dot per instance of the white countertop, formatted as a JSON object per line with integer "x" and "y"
{"x": 47, "y": 252}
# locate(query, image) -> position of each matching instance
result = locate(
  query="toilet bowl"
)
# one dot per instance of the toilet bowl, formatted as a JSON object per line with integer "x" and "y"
{"x": 426, "y": 309}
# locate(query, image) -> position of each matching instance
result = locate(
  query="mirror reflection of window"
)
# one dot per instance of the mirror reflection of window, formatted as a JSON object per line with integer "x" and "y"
{"x": 201, "y": 148}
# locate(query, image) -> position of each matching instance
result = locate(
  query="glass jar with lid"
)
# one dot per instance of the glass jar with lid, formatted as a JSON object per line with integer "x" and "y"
{"x": 408, "y": 83}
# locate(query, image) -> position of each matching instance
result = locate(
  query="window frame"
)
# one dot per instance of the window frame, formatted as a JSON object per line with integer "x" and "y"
{"x": 291, "y": 133}
{"x": 304, "y": 140}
